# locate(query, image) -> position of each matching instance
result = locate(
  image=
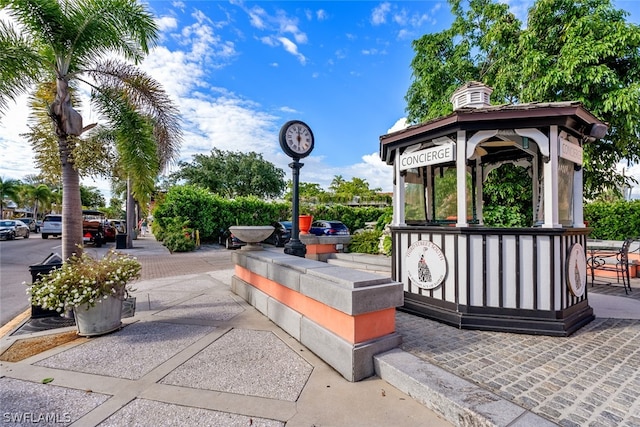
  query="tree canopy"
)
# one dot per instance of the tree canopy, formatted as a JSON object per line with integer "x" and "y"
{"x": 54, "y": 47}
{"x": 569, "y": 51}
{"x": 233, "y": 174}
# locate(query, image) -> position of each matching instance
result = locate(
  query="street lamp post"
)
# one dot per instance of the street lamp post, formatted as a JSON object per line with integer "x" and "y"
{"x": 296, "y": 140}
{"x": 295, "y": 246}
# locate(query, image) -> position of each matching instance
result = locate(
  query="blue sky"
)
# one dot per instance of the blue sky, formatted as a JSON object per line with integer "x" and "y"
{"x": 239, "y": 70}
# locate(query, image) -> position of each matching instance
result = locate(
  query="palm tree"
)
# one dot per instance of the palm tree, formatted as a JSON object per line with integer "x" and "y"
{"x": 72, "y": 43}
{"x": 9, "y": 188}
{"x": 41, "y": 196}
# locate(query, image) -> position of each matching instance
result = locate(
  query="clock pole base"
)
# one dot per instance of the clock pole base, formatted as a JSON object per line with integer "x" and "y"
{"x": 296, "y": 248}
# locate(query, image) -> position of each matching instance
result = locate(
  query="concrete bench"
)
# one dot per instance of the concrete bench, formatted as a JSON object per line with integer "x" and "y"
{"x": 343, "y": 315}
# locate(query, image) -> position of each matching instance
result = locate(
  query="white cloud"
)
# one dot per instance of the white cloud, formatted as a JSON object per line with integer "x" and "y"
{"x": 166, "y": 23}
{"x": 321, "y": 15}
{"x": 256, "y": 15}
{"x": 292, "y": 48}
{"x": 379, "y": 13}
{"x": 399, "y": 125}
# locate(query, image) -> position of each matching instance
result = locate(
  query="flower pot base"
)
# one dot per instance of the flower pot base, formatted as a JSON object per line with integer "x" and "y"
{"x": 98, "y": 333}
{"x": 100, "y": 319}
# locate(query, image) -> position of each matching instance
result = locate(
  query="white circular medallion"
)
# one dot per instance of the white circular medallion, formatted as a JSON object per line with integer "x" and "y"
{"x": 426, "y": 264}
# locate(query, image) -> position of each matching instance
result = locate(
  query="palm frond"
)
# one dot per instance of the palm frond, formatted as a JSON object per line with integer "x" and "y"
{"x": 134, "y": 139}
{"x": 42, "y": 19}
{"x": 105, "y": 27}
{"x": 148, "y": 97}
{"x": 20, "y": 65}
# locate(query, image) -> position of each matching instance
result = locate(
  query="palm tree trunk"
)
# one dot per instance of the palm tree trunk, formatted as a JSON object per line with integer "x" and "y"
{"x": 131, "y": 219}
{"x": 71, "y": 204}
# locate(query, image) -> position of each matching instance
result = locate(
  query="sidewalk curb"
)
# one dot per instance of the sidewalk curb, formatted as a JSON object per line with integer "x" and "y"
{"x": 456, "y": 399}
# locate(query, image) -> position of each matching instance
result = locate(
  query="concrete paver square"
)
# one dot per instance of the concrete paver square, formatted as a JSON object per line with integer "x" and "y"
{"x": 248, "y": 362}
{"x": 143, "y": 412}
{"x": 130, "y": 352}
{"x": 29, "y": 403}
{"x": 155, "y": 300}
{"x": 209, "y": 307}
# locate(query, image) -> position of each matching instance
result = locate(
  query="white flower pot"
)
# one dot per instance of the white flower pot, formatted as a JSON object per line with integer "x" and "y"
{"x": 100, "y": 319}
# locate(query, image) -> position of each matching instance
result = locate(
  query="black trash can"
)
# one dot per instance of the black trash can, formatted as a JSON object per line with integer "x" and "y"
{"x": 51, "y": 262}
{"x": 121, "y": 241}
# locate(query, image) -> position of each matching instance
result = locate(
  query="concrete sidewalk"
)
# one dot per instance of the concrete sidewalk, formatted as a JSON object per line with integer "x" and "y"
{"x": 196, "y": 354}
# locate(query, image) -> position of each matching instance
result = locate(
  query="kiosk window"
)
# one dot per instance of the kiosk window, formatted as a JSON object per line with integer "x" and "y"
{"x": 565, "y": 192}
{"x": 414, "y": 196}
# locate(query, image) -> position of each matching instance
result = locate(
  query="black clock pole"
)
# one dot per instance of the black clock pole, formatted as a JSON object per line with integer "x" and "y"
{"x": 295, "y": 246}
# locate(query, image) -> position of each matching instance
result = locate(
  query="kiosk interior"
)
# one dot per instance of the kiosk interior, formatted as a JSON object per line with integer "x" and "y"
{"x": 461, "y": 272}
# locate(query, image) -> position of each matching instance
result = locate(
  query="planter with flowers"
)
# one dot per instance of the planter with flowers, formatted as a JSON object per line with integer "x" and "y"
{"x": 93, "y": 288}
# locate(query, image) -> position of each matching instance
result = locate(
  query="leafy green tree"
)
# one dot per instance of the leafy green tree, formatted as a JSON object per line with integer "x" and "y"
{"x": 345, "y": 191}
{"x": 10, "y": 189}
{"x": 569, "y": 51}
{"x": 507, "y": 197}
{"x": 307, "y": 191}
{"x": 585, "y": 51}
{"x": 233, "y": 174}
{"x": 91, "y": 197}
{"x": 61, "y": 44}
{"x": 480, "y": 45}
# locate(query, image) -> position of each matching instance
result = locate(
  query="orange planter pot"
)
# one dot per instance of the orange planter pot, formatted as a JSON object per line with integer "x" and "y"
{"x": 304, "y": 222}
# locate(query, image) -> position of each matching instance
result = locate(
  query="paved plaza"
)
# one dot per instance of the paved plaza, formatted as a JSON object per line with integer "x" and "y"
{"x": 196, "y": 354}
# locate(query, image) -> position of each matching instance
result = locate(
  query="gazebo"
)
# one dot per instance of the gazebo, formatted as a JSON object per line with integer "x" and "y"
{"x": 457, "y": 270}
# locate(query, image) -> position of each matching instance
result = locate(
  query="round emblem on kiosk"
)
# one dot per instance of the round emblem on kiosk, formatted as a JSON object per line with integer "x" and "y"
{"x": 426, "y": 264}
{"x": 576, "y": 270}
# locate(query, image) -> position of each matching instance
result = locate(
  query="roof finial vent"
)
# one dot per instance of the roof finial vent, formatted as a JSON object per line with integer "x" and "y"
{"x": 471, "y": 95}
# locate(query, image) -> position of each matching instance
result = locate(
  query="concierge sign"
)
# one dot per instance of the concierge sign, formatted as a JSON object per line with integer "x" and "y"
{"x": 430, "y": 156}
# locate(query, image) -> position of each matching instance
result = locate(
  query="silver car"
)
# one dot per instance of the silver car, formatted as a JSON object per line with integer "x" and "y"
{"x": 12, "y": 228}
{"x": 51, "y": 226}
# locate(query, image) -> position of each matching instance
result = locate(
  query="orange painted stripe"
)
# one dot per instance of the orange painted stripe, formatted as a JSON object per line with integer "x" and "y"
{"x": 326, "y": 248}
{"x": 354, "y": 329}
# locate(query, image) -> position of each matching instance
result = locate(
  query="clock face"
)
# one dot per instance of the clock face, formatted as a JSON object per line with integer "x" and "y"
{"x": 296, "y": 139}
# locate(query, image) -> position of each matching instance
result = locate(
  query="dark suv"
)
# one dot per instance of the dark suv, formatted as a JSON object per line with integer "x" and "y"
{"x": 328, "y": 228}
{"x": 281, "y": 233}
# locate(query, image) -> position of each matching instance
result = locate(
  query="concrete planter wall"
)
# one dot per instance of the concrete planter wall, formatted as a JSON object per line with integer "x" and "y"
{"x": 344, "y": 316}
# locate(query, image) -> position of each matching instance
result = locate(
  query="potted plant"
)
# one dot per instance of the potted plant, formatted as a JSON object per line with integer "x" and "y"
{"x": 93, "y": 288}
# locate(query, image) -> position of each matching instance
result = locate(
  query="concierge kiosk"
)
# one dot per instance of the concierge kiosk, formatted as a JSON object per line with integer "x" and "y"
{"x": 455, "y": 269}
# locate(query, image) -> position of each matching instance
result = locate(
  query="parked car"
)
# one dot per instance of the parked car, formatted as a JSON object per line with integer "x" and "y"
{"x": 51, "y": 226}
{"x": 281, "y": 233}
{"x": 228, "y": 240}
{"x": 34, "y": 227}
{"x": 328, "y": 228}
{"x": 12, "y": 228}
{"x": 119, "y": 224}
{"x": 96, "y": 229}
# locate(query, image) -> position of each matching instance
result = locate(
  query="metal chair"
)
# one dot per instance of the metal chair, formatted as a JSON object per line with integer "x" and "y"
{"x": 620, "y": 267}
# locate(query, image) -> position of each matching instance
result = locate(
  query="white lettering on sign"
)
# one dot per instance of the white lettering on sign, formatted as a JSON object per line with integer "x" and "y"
{"x": 430, "y": 156}
{"x": 570, "y": 151}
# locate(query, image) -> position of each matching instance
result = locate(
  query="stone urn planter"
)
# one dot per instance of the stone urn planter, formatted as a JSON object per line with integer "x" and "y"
{"x": 252, "y": 235}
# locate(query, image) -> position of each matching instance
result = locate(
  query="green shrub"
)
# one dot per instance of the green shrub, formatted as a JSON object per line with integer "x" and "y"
{"x": 197, "y": 208}
{"x": 366, "y": 242}
{"x": 613, "y": 220}
{"x": 387, "y": 245}
{"x": 179, "y": 241}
